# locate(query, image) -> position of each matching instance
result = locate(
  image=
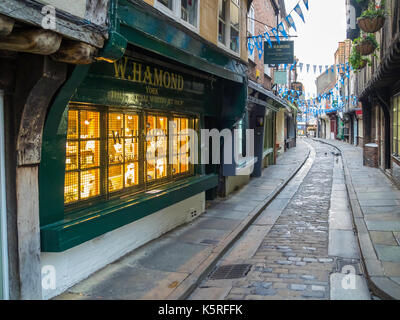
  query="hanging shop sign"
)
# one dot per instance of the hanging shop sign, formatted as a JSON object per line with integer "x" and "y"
{"x": 279, "y": 53}
{"x": 297, "y": 86}
{"x": 280, "y": 77}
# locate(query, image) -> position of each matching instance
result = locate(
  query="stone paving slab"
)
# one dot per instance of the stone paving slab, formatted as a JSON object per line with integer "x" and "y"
{"x": 168, "y": 267}
{"x": 346, "y": 287}
{"x": 342, "y": 243}
{"x": 378, "y": 204}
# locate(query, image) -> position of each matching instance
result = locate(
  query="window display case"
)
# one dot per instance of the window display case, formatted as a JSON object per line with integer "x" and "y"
{"x": 106, "y": 153}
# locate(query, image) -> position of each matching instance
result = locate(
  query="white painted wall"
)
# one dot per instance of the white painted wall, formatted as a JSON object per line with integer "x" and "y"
{"x": 74, "y": 7}
{"x": 76, "y": 264}
{"x": 234, "y": 183}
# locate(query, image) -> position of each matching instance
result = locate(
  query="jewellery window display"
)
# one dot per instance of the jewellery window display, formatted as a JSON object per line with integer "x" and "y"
{"x": 180, "y": 147}
{"x": 156, "y": 147}
{"x": 109, "y": 151}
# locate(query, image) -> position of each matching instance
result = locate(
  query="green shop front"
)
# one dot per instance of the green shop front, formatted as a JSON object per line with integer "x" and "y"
{"x": 119, "y": 157}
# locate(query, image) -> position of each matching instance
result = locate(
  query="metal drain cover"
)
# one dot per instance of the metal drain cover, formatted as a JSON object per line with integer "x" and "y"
{"x": 232, "y": 271}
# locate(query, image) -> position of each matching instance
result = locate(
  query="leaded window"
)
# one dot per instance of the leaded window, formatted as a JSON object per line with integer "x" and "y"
{"x": 109, "y": 152}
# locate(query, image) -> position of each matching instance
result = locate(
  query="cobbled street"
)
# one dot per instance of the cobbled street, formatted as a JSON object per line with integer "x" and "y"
{"x": 292, "y": 261}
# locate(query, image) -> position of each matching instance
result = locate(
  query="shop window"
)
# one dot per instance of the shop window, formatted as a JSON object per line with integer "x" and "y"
{"x": 82, "y": 177}
{"x": 229, "y": 24}
{"x": 222, "y": 21}
{"x": 123, "y": 151}
{"x": 396, "y": 126}
{"x": 104, "y": 157}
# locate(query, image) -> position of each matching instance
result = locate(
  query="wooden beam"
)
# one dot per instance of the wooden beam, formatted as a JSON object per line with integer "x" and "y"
{"x": 49, "y": 76}
{"x": 75, "y": 53}
{"x": 21, "y": 11}
{"x": 36, "y": 41}
{"x": 6, "y": 25}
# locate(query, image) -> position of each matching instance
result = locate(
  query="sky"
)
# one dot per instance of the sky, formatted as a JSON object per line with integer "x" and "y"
{"x": 319, "y": 37}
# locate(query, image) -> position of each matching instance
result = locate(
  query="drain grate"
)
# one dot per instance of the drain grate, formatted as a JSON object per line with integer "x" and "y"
{"x": 232, "y": 271}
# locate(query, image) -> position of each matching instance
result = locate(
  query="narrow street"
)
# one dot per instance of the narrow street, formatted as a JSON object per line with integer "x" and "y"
{"x": 299, "y": 245}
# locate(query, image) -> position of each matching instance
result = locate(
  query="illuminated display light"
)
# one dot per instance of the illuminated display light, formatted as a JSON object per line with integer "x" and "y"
{"x": 115, "y": 137}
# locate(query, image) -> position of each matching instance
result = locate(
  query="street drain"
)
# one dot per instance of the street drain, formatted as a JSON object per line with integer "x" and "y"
{"x": 232, "y": 271}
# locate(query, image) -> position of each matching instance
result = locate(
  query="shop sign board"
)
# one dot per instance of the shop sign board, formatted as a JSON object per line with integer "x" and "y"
{"x": 279, "y": 53}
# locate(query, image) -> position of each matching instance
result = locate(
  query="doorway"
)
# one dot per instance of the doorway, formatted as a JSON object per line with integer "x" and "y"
{"x": 3, "y": 212}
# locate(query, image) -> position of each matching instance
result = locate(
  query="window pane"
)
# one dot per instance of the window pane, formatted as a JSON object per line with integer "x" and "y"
{"x": 90, "y": 183}
{"x": 222, "y": 10}
{"x": 72, "y": 124}
{"x": 115, "y": 151}
{"x": 131, "y": 174}
{"x": 234, "y": 17}
{"x": 234, "y": 40}
{"x": 166, "y": 3}
{"x": 90, "y": 154}
{"x": 189, "y": 11}
{"x": 115, "y": 125}
{"x": 235, "y": 24}
{"x": 131, "y": 149}
{"x": 71, "y": 189}
{"x": 156, "y": 147}
{"x": 71, "y": 162}
{"x": 90, "y": 124}
{"x": 398, "y": 107}
{"x": 115, "y": 178}
{"x": 395, "y": 125}
{"x": 222, "y": 21}
{"x": 181, "y": 145}
{"x": 131, "y": 125}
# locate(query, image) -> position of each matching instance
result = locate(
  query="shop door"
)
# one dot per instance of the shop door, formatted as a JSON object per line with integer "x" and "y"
{"x": 3, "y": 239}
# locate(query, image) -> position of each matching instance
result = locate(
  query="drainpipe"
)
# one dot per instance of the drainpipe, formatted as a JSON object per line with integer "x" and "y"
{"x": 3, "y": 207}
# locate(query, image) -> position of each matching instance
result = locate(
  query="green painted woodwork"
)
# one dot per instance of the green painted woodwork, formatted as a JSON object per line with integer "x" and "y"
{"x": 52, "y": 165}
{"x": 114, "y": 48}
{"x": 104, "y": 217}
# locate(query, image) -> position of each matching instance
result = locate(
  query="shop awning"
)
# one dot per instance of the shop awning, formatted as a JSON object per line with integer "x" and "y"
{"x": 272, "y": 101}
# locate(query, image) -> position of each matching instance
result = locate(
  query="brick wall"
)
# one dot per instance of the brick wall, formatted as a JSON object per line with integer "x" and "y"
{"x": 264, "y": 13}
